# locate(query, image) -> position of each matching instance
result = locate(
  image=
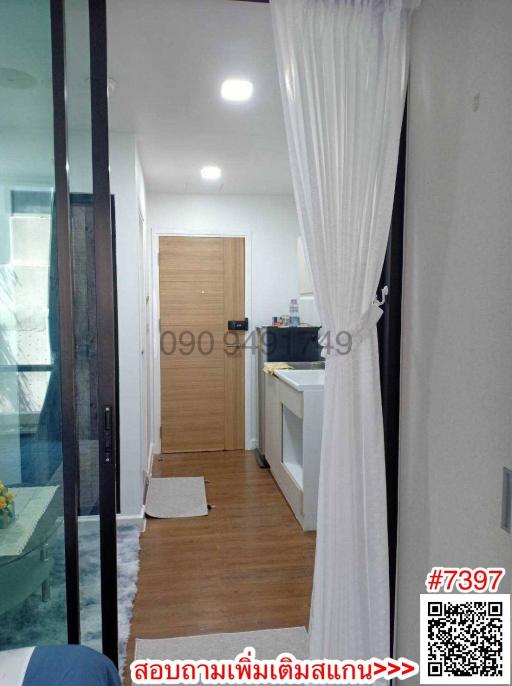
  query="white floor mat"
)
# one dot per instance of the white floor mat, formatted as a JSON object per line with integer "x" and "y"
{"x": 267, "y": 643}
{"x": 176, "y": 497}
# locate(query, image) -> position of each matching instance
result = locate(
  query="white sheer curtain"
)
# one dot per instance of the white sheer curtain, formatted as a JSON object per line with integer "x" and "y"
{"x": 343, "y": 71}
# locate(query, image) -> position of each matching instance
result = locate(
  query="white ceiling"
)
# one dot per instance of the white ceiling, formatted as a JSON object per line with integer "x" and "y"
{"x": 169, "y": 58}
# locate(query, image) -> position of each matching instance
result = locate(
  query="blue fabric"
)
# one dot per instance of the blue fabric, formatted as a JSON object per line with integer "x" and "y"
{"x": 70, "y": 666}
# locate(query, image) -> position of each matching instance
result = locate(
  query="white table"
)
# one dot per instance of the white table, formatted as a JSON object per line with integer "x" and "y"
{"x": 25, "y": 563}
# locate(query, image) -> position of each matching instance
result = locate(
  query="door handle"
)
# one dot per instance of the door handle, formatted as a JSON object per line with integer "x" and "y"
{"x": 107, "y": 435}
{"x": 238, "y": 325}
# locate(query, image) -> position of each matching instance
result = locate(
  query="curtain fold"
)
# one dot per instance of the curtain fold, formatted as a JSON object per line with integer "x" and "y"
{"x": 343, "y": 73}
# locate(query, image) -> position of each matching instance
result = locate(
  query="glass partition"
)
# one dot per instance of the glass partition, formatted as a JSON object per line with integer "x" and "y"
{"x": 82, "y": 234}
{"x": 57, "y": 457}
{"x": 32, "y": 560}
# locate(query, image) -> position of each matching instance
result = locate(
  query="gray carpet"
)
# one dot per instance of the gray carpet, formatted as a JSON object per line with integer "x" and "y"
{"x": 128, "y": 547}
{"x": 268, "y": 643}
{"x": 176, "y": 497}
{"x": 36, "y": 623}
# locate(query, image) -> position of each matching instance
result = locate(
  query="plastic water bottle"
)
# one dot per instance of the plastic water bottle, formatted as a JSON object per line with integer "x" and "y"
{"x": 294, "y": 312}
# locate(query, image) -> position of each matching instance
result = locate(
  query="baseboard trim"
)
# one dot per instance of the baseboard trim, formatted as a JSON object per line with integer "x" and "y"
{"x": 135, "y": 520}
{"x": 149, "y": 462}
{"x": 147, "y": 475}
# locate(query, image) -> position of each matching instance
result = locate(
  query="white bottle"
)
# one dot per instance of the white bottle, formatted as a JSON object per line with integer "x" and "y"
{"x": 294, "y": 312}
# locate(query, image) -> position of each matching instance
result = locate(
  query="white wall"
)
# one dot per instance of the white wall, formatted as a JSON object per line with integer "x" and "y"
{"x": 271, "y": 220}
{"x": 145, "y": 327}
{"x": 307, "y": 303}
{"x": 456, "y": 429}
{"x": 123, "y": 159}
{"x": 271, "y": 224}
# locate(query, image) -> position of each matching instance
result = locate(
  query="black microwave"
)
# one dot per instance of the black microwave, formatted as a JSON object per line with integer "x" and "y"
{"x": 291, "y": 344}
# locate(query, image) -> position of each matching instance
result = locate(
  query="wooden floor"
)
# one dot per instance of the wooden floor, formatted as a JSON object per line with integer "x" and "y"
{"x": 247, "y": 565}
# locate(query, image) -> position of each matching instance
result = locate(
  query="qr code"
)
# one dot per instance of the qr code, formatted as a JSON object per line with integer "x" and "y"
{"x": 465, "y": 639}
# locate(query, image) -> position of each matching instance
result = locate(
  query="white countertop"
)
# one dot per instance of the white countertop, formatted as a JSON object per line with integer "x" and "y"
{"x": 302, "y": 379}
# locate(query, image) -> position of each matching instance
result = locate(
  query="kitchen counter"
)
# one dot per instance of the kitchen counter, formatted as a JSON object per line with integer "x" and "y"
{"x": 294, "y": 416}
{"x": 302, "y": 379}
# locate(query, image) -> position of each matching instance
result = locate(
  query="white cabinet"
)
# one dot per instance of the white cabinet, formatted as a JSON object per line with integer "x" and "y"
{"x": 272, "y": 430}
{"x": 293, "y": 443}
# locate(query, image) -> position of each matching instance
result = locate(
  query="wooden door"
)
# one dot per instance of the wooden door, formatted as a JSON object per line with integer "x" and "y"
{"x": 201, "y": 363}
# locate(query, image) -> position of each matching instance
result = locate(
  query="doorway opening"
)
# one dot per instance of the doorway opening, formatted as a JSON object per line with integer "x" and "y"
{"x": 200, "y": 191}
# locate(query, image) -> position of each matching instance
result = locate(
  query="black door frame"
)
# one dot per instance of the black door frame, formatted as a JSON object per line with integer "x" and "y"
{"x": 389, "y": 331}
{"x": 67, "y": 342}
{"x": 107, "y": 334}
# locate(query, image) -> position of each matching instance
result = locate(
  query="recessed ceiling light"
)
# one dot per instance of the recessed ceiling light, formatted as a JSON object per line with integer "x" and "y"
{"x": 237, "y": 90}
{"x": 211, "y": 173}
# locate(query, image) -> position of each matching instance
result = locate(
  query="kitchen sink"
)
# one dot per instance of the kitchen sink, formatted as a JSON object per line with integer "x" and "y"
{"x": 302, "y": 379}
{"x": 319, "y": 364}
